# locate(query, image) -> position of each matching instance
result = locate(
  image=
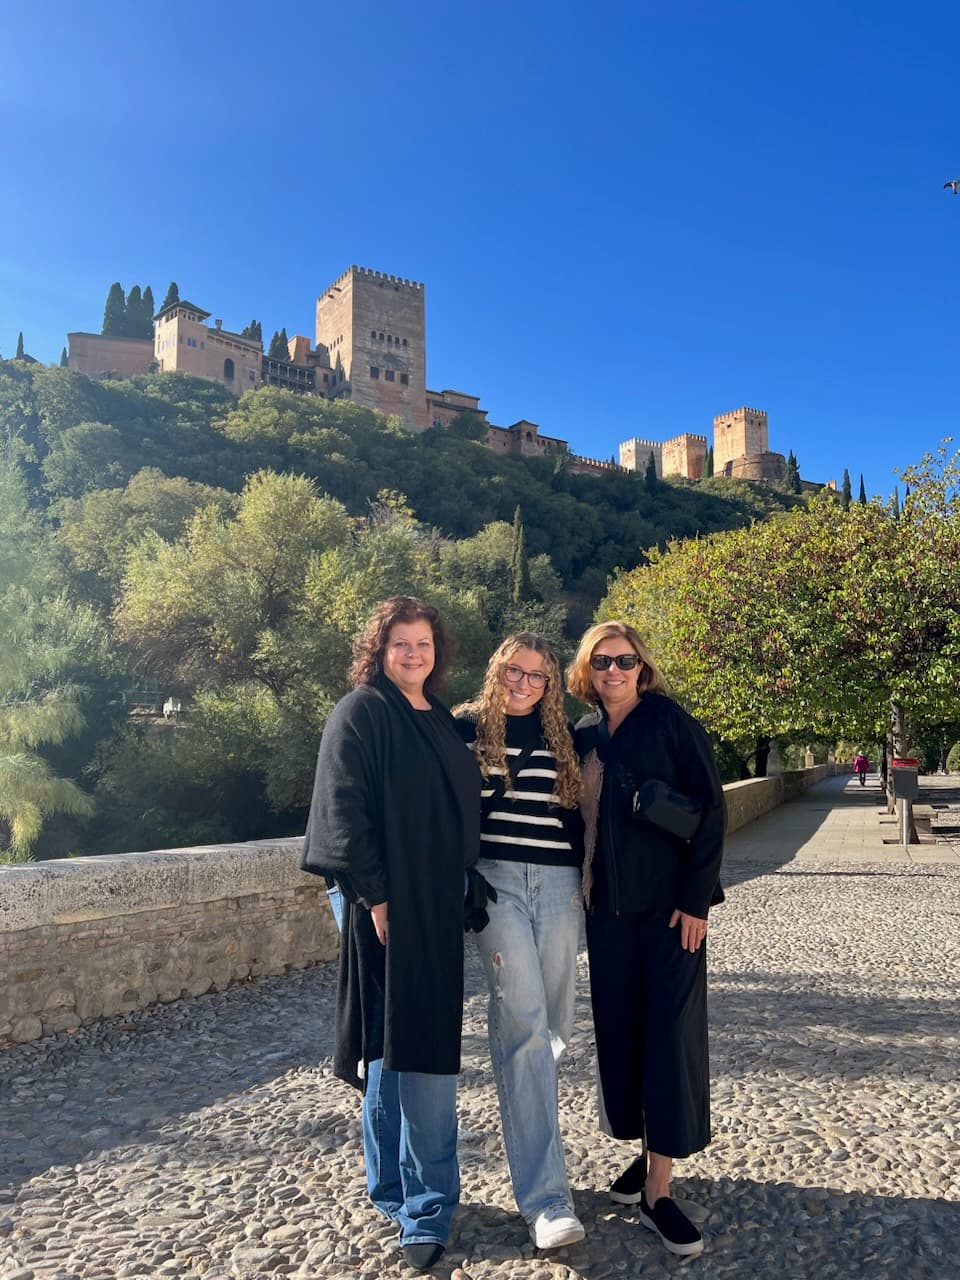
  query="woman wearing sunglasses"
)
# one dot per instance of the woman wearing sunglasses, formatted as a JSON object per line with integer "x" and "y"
{"x": 654, "y": 825}
{"x": 531, "y": 849}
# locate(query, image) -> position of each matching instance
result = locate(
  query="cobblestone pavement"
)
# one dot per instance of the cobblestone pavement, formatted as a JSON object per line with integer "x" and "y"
{"x": 208, "y": 1138}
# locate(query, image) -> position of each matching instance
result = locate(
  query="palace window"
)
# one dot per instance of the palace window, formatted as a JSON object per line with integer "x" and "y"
{"x": 404, "y": 342}
{"x": 388, "y": 374}
{"x": 405, "y": 379}
{"x": 374, "y": 371}
{"x": 228, "y": 369}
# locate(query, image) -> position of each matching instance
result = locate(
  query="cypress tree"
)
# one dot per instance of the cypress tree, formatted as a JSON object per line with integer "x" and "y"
{"x": 845, "y": 492}
{"x": 278, "y": 346}
{"x": 173, "y": 295}
{"x": 134, "y": 317}
{"x": 896, "y": 502}
{"x": 650, "y": 475}
{"x": 519, "y": 568}
{"x": 863, "y": 492}
{"x": 792, "y": 478}
{"x": 64, "y": 362}
{"x": 19, "y": 355}
{"x": 149, "y": 308}
{"x": 710, "y": 461}
{"x": 253, "y": 332}
{"x": 115, "y": 312}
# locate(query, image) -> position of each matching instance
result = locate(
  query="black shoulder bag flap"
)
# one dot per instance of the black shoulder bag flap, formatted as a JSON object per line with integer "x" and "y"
{"x": 658, "y": 803}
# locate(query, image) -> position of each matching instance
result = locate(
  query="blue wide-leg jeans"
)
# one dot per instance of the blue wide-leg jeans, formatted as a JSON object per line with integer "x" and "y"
{"x": 529, "y": 954}
{"x": 410, "y": 1150}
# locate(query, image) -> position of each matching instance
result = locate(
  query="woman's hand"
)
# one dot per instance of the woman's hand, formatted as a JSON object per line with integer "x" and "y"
{"x": 378, "y": 915}
{"x": 693, "y": 930}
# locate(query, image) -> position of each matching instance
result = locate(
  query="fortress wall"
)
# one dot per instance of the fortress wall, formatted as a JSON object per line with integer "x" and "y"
{"x": 84, "y": 938}
{"x": 87, "y": 938}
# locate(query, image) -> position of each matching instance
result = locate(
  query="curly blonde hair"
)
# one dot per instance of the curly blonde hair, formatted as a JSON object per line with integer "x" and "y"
{"x": 487, "y": 708}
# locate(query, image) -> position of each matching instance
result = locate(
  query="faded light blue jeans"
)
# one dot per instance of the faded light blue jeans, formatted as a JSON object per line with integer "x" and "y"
{"x": 529, "y": 954}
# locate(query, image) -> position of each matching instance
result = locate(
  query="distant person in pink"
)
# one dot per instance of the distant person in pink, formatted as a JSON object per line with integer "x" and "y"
{"x": 861, "y": 766}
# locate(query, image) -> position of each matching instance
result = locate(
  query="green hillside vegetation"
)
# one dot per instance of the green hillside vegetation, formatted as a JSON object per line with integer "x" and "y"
{"x": 223, "y": 552}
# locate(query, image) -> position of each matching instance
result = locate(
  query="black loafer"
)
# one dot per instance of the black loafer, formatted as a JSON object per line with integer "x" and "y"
{"x": 423, "y": 1256}
{"x": 628, "y": 1188}
{"x": 672, "y": 1225}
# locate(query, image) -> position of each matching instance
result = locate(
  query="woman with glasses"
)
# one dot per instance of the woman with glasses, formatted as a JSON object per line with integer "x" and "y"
{"x": 654, "y": 824}
{"x": 531, "y": 849}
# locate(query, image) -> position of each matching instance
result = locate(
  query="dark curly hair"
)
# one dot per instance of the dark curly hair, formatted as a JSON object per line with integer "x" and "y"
{"x": 369, "y": 645}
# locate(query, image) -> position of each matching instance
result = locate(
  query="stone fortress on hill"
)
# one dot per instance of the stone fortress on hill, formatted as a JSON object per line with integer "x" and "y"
{"x": 370, "y": 347}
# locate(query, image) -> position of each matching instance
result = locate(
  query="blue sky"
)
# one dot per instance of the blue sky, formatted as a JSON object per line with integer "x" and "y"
{"x": 628, "y": 217}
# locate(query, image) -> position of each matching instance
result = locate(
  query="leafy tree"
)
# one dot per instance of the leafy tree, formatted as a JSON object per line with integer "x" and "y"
{"x": 39, "y": 636}
{"x": 97, "y": 531}
{"x": 115, "y": 312}
{"x": 468, "y": 426}
{"x": 823, "y": 621}
{"x": 953, "y": 758}
{"x": 172, "y": 295}
{"x": 845, "y": 491}
{"x": 87, "y": 456}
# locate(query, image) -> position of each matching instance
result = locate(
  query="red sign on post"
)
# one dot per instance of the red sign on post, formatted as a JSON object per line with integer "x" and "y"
{"x": 905, "y": 762}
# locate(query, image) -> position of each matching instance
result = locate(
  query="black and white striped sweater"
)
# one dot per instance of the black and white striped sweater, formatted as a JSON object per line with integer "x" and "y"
{"x": 525, "y": 823}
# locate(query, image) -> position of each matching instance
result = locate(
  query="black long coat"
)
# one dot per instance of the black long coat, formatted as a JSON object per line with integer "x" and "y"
{"x": 395, "y": 817}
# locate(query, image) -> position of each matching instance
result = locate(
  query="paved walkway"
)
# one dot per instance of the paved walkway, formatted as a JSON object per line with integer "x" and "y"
{"x": 208, "y": 1138}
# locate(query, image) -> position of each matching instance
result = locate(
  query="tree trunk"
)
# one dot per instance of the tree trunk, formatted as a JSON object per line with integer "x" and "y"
{"x": 760, "y": 758}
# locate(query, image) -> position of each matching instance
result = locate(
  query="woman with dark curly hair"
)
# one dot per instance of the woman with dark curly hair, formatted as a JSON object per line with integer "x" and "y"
{"x": 654, "y": 818}
{"x": 394, "y": 821}
{"x": 531, "y": 846}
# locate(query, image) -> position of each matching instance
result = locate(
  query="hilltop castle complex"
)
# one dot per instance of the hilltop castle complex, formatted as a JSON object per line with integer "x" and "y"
{"x": 370, "y": 347}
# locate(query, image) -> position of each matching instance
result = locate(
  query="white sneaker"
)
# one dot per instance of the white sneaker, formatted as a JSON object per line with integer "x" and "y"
{"x": 553, "y": 1229}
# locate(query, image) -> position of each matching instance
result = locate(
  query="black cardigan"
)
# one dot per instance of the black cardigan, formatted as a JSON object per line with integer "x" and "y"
{"x": 395, "y": 818}
{"x": 645, "y": 868}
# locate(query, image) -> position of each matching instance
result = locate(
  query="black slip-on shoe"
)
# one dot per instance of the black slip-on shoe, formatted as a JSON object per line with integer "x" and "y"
{"x": 424, "y": 1255}
{"x": 672, "y": 1225}
{"x": 628, "y": 1188}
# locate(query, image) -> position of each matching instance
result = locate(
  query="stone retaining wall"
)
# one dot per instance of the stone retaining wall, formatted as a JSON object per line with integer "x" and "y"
{"x": 85, "y": 938}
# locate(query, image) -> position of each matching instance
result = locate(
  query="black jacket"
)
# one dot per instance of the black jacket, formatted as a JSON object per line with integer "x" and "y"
{"x": 395, "y": 817}
{"x": 644, "y": 867}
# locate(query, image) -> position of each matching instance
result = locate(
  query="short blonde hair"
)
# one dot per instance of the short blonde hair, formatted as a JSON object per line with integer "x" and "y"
{"x": 579, "y": 682}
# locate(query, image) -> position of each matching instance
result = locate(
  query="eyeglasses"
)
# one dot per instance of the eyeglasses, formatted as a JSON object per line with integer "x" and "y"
{"x": 625, "y": 661}
{"x": 535, "y": 679}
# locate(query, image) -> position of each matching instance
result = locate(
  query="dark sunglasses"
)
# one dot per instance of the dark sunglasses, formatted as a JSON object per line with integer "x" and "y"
{"x": 625, "y": 661}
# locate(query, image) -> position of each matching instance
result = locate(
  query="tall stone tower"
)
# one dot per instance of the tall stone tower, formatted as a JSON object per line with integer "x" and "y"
{"x": 635, "y": 454}
{"x": 373, "y": 327}
{"x": 736, "y": 434}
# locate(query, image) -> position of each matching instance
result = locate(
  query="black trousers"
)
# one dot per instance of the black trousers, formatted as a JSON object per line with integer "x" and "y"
{"x": 650, "y": 1018}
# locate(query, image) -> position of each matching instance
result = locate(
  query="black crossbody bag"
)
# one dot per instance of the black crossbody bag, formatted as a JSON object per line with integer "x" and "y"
{"x": 654, "y": 800}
